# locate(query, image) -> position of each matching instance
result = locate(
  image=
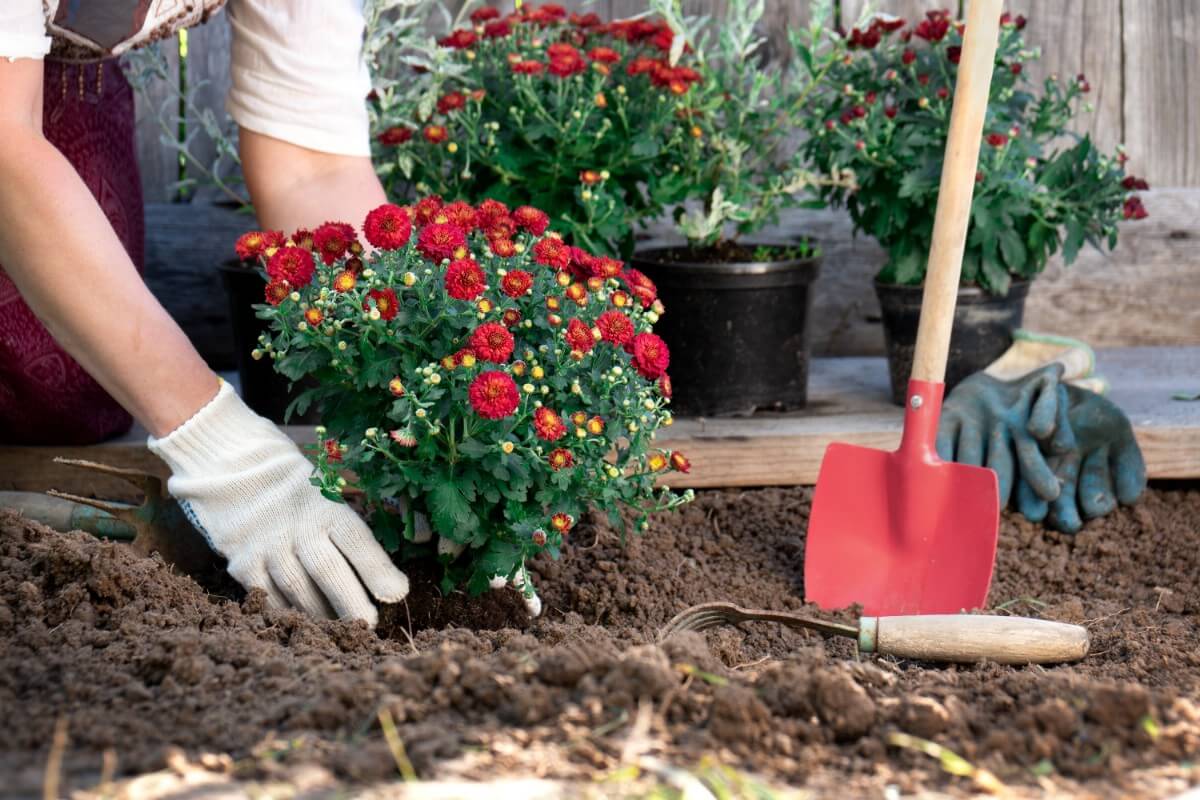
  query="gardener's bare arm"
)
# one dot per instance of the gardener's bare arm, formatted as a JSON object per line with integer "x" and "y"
{"x": 294, "y": 187}
{"x": 70, "y": 267}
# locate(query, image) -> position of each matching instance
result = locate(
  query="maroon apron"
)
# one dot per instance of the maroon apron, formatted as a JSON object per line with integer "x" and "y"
{"x": 45, "y": 396}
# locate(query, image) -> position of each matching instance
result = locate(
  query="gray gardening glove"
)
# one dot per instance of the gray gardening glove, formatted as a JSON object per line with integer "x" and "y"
{"x": 1103, "y": 469}
{"x": 1012, "y": 427}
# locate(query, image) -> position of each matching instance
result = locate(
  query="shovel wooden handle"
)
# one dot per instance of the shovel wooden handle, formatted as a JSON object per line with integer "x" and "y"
{"x": 966, "y": 638}
{"x": 957, "y": 186}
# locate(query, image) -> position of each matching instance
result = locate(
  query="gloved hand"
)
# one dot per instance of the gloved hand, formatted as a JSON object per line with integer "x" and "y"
{"x": 1011, "y": 427}
{"x": 1104, "y": 468}
{"x": 245, "y": 486}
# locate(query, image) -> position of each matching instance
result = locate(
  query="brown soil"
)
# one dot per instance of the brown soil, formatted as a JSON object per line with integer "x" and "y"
{"x": 139, "y": 660}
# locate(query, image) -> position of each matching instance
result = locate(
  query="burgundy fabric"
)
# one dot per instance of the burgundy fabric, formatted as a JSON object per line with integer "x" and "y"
{"x": 45, "y": 396}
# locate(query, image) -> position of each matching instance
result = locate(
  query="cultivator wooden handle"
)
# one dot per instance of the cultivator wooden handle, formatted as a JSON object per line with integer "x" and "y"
{"x": 973, "y": 637}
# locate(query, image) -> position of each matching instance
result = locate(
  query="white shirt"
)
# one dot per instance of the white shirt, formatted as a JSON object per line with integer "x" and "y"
{"x": 296, "y": 66}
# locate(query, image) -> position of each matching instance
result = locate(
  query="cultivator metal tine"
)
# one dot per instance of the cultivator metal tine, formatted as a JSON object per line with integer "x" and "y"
{"x": 699, "y": 620}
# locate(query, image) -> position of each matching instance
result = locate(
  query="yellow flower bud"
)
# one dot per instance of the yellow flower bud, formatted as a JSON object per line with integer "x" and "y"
{"x": 409, "y": 279}
{"x": 527, "y": 388}
{"x": 507, "y": 447}
{"x": 538, "y": 373}
{"x": 452, "y": 147}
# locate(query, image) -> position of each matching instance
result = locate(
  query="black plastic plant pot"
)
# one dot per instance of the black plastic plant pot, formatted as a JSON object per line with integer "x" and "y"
{"x": 263, "y": 389}
{"x": 737, "y": 331}
{"x": 983, "y": 329}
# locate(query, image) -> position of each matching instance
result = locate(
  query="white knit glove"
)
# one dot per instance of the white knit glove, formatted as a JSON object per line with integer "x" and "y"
{"x": 245, "y": 486}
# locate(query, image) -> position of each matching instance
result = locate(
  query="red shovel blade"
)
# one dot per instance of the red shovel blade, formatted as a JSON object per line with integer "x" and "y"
{"x": 902, "y": 532}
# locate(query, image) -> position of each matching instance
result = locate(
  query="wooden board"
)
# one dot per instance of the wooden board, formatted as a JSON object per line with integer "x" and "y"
{"x": 848, "y": 402}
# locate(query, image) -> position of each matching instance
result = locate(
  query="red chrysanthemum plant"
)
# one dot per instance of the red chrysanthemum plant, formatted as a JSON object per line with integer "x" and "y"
{"x": 501, "y": 390}
{"x": 584, "y": 118}
{"x": 883, "y": 111}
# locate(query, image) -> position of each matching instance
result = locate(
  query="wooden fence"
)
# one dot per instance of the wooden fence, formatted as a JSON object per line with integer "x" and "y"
{"x": 1141, "y": 57}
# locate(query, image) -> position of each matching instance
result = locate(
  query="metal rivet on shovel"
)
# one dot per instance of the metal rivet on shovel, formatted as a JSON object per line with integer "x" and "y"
{"x": 903, "y": 532}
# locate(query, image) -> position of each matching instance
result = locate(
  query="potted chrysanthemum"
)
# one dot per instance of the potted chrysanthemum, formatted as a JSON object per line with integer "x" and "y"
{"x": 474, "y": 366}
{"x": 883, "y": 111}
{"x": 540, "y": 107}
{"x": 741, "y": 342}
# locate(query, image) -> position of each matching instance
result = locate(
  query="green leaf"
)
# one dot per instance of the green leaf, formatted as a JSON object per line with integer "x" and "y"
{"x": 450, "y": 512}
{"x": 1013, "y": 250}
{"x": 1074, "y": 240}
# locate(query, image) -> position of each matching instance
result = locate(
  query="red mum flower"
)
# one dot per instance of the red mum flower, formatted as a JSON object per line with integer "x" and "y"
{"x": 908, "y": 56}
{"x": 997, "y": 139}
{"x": 251, "y": 245}
{"x": 293, "y": 265}
{"x": 482, "y": 15}
{"x": 388, "y": 227}
{"x": 679, "y": 462}
{"x": 579, "y": 336}
{"x": 395, "y": 136}
{"x": 396, "y": 387}
{"x": 560, "y": 458}
{"x": 889, "y": 112}
{"x": 1082, "y": 80}
{"x": 1015, "y": 69}
{"x": 548, "y": 425}
{"x": 650, "y": 355}
{"x": 934, "y": 27}
{"x": 588, "y": 20}
{"x": 642, "y": 287}
{"x": 465, "y": 280}
{"x": 954, "y": 53}
{"x": 314, "y": 317}
{"x": 551, "y": 252}
{"x": 451, "y": 101}
{"x": 498, "y": 29}
{"x": 664, "y": 386}
{"x": 491, "y": 341}
{"x": 527, "y": 67}
{"x": 516, "y": 283}
{"x": 565, "y": 60}
{"x": 491, "y": 213}
{"x": 502, "y": 247}
{"x": 333, "y": 451}
{"x": 943, "y": 92}
{"x": 276, "y": 239}
{"x": 1135, "y": 184}
{"x": 531, "y": 219}
{"x": 604, "y": 55}
{"x": 277, "y": 291}
{"x": 889, "y": 24}
{"x": 867, "y": 39}
{"x": 562, "y": 523}
{"x": 589, "y": 177}
{"x": 461, "y": 214}
{"x": 331, "y": 240}
{"x": 1134, "y": 209}
{"x": 435, "y": 134}
{"x": 459, "y": 40}
{"x": 615, "y": 327}
{"x": 344, "y": 281}
{"x": 385, "y": 301}
{"x": 441, "y": 240}
{"x": 510, "y": 317}
{"x": 427, "y": 208}
{"x": 494, "y": 395}
{"x": 578, "y": 293}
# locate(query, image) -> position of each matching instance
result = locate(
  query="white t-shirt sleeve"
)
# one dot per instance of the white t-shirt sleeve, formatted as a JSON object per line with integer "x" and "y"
{"x": 23, "y": 30}
{"x": 298, "y": 72}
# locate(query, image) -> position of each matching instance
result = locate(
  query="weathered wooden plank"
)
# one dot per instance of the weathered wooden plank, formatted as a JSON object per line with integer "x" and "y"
{"x": 158, "y": 165}
{"x": 850, "y": 402}
{"x": 1162, "y": 104}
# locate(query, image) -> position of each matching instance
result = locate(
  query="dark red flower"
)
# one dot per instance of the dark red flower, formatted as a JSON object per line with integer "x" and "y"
{"x": 293, "y": 265}
{"x": 1084, "y": 86}
{"x": 560, "y": 458}
{"x": 491, "y": 213}
{"x": 482, "y": 15}
{"x": 889, "y": 24}
{"x": 650, "y": 355}
{"x": 460, "y": 214}
{"x": 426, "y": 209}
{"x": 679, "y": 462}
{"x": 565, "y": 60}
{"x": 943, "y": 92}
{"x": 451, "y": 101}
{"x": 997, "y": 139}
{"x": 442, "y": 240}
{"x": 1134, "y": 209}
{"x": 954, "y": 53}
{"x": 531, "y": 219}
{"x": 332, "y": 240}
{"x": 890, "y": 112}
{"x": 604, "y": 55}
{"x": 1135, "y": 184}
{"x": 253, "y": 244}
{"x": 459, "y": 40}
{"x": 562, "y": 523}
{"x": 908, "y": 56}
{"x": 641, "y": 64}
{"x": 642, "y": 287}
{"x": 491, "y": 341}
{"x": 510, "y": 317}
{"x": 385, "y": 301}
{"x": 494, "y": 395}
{"x": 605, "y": 267}
{"x": 465, "y": 280}
{"x": 276, "y": 292}
{"x": 516, "y": 283}
{"x": 333, "y": 451}
{"x": 588, "y": 20}
{"x": 664, "y": 386}
{"x": 528, "y": 67}
{"x": 867, "y": 39}
{"x": 923, "y": 79}
{"x": 395, "y": 135}
{"x": 502, "y": 247}
{"x": 548, "y": 425}
{"x": 579, "y": 336}
{"x": 934, "y": 27}
{"x": 498, "y": 29}
{"x": 551, "y": 252}
{"x": 388, "y": 227}
{"x": 1015, "y": 69}
{"x": 435, "y": 134}
{"x": 615, "y": 328}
